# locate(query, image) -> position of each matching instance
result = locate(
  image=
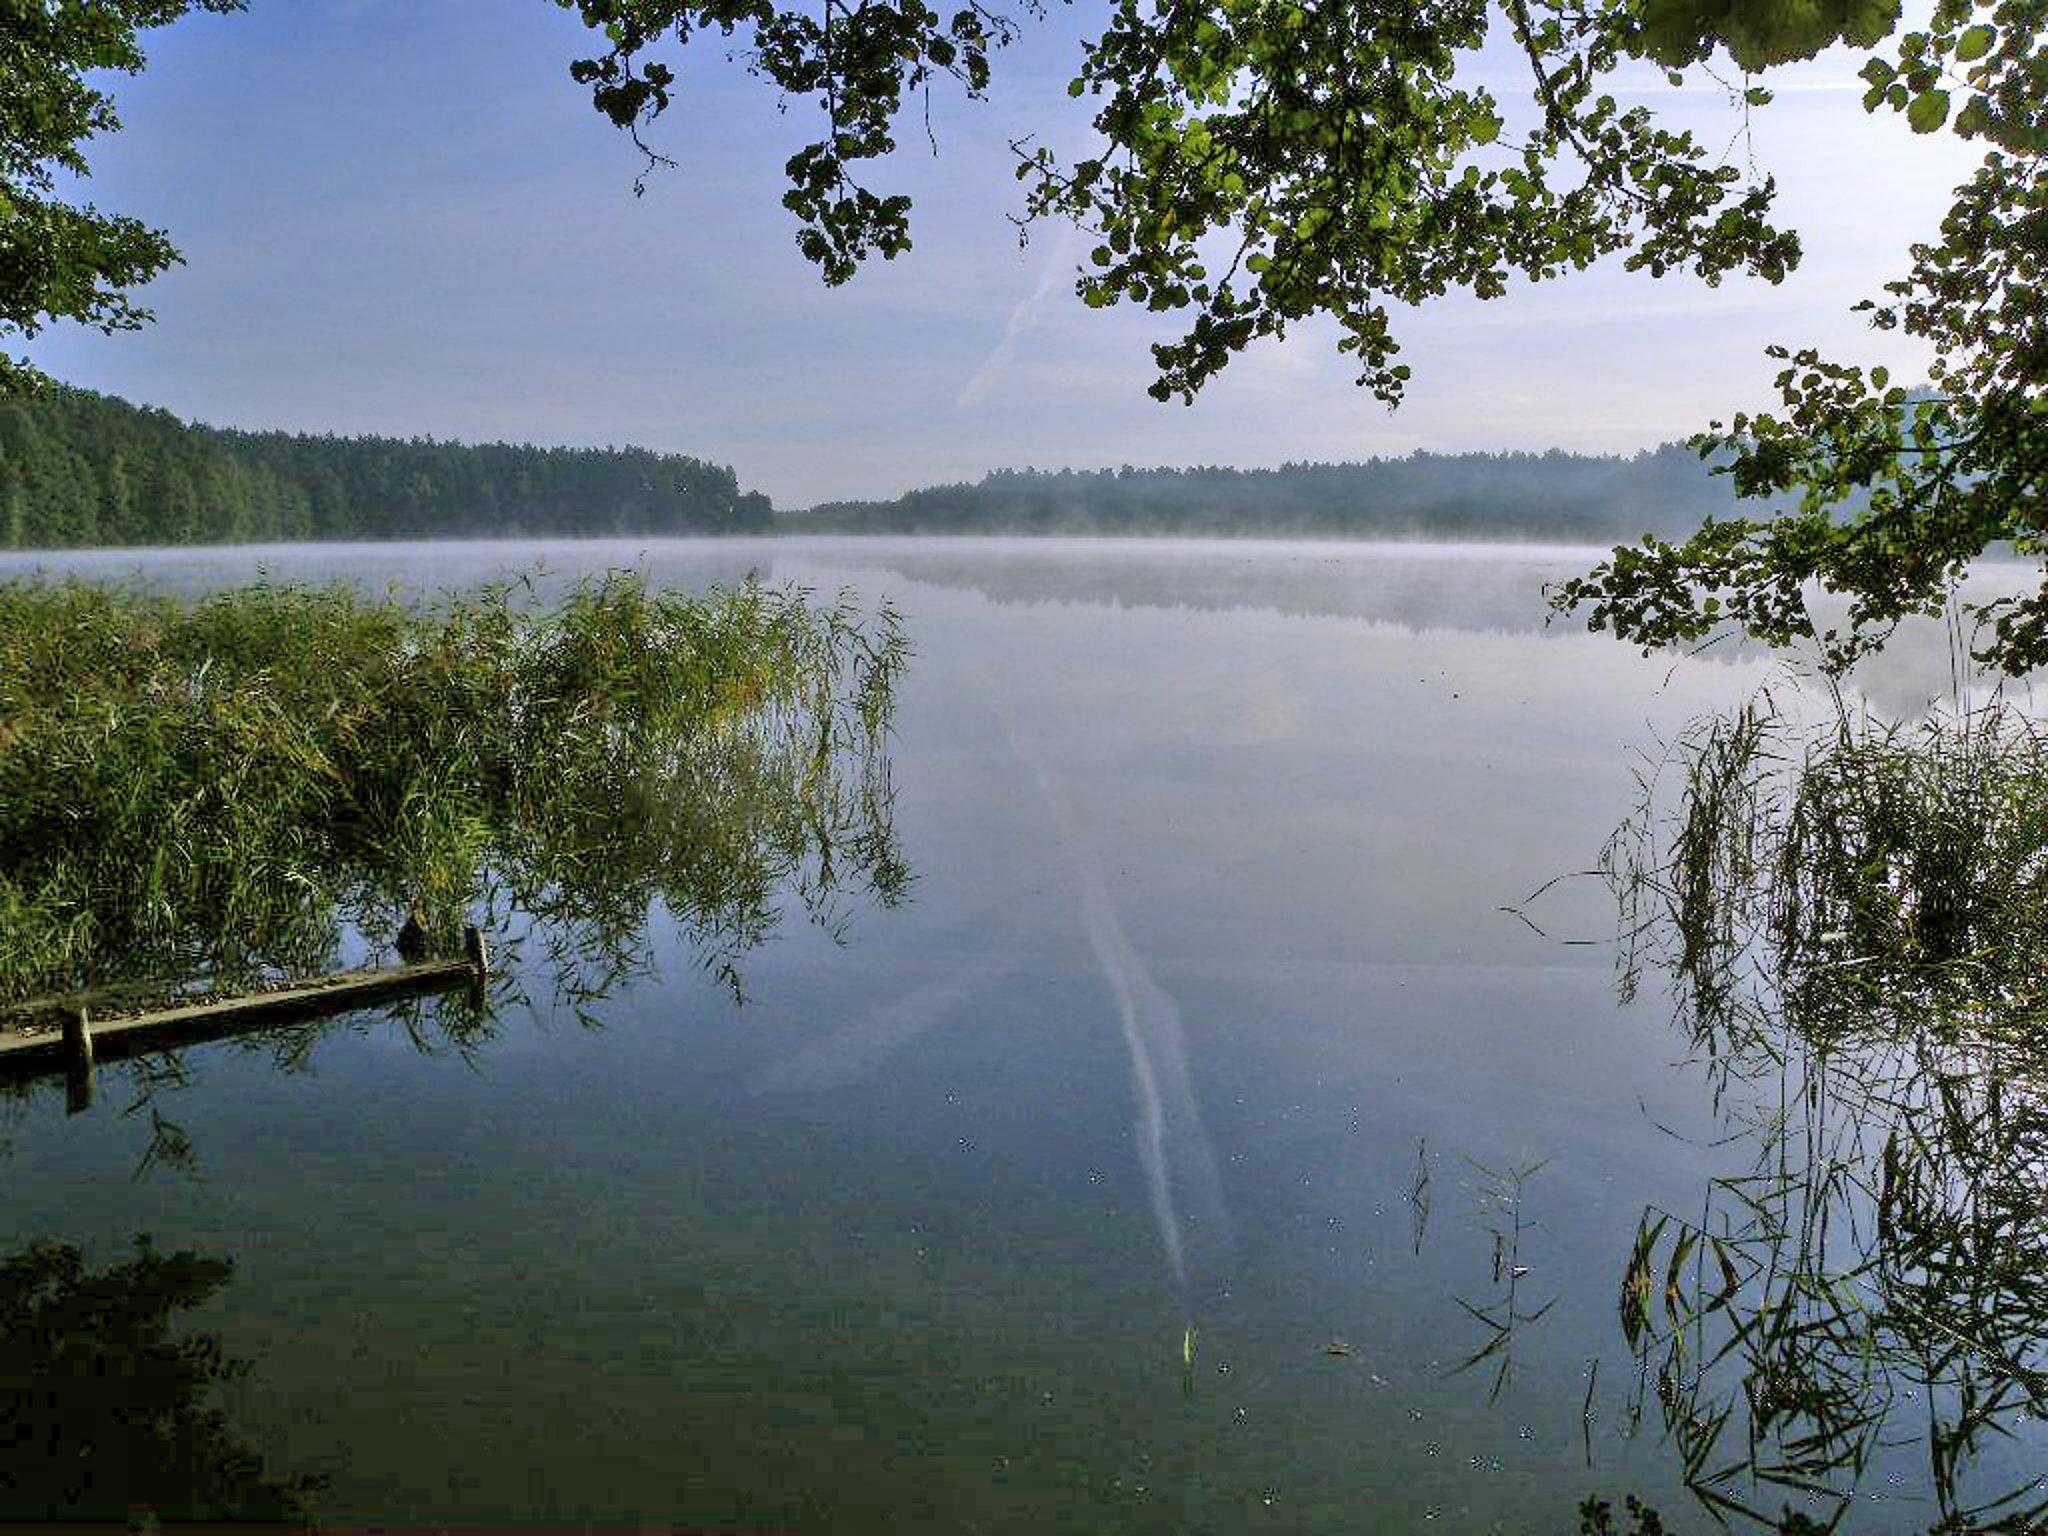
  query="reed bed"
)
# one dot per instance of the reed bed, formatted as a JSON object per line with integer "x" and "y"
{"x": 1853, "y": 920}
{"x": 1855, "y": 875}
{"x": 218, "y": 790}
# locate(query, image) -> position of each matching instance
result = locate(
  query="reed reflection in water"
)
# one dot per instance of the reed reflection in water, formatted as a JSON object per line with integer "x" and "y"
{"x": 207, "y": 794}
{"x": 1854, "y": 919}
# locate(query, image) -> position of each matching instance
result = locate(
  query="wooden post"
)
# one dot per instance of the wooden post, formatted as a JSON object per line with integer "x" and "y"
{"x": 78, "y": 1071}
{"x": 479, "y": 954}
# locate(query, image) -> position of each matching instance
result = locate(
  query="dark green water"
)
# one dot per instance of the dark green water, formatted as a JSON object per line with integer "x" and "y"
{"x": 1202, "y": 972}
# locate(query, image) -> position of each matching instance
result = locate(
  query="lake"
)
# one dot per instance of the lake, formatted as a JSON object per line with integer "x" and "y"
{"x": 1200, "y": 1146}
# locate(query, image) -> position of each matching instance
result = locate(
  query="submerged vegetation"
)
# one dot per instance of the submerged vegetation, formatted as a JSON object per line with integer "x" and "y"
{"x": 226, "y": 790}
{"x": 1852, "y": 917}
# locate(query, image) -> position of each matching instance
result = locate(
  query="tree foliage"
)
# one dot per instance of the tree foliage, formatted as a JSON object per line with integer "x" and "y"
{"x": 1333, "y": 155}
{"x": 1899, "y": 490}
{"x": 63, "y": 260}
{"x": 1758, "y": 34}
{"x": 1261, "y": 161}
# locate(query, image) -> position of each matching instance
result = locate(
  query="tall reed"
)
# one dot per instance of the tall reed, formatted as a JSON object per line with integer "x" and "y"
{"x": 218, "y": 789}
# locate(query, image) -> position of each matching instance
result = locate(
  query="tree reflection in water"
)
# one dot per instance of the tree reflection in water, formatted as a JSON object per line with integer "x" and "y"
{"x": 103, "y": 1414}
{"x": 1852, "y": 920}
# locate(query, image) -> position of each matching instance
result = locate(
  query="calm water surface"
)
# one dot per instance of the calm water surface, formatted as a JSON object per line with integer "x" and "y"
{"x": 1141, "y": 1173}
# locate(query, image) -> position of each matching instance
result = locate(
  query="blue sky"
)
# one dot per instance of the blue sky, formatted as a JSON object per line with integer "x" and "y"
{"x": 402, "y": 216}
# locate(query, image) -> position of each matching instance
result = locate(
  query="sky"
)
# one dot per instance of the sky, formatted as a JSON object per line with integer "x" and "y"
{"x": 403, "y": 217}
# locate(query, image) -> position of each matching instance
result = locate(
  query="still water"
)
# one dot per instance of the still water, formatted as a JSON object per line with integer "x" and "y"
{"x": 1161, "y": 1164}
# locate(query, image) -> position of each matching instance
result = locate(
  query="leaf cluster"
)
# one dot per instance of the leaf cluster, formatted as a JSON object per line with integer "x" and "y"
{"x": 61, "y": 260}
{"x": 1264, "y": 161}
{"x": 1758, "y": 34}
{"x": 1899, "y": 490}
{"x": 1333, "y": 155}
{"x": 860, "y": 62}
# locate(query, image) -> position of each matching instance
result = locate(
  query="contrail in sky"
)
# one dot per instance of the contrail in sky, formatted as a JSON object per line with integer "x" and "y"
{"x": 1058, "y": 263}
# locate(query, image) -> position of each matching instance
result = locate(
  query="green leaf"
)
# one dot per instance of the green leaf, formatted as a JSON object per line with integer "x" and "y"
{"x": 1975, "y": 43}
{"x": 1928, "y": 111}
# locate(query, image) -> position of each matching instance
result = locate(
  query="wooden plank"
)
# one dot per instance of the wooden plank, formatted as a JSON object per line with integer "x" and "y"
{"x": 479, "y": 966}
{"x": 218, "y": 1018}
{"x": 56, "y": 1003}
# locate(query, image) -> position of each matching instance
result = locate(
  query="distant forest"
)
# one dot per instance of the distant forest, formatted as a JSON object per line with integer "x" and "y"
{"x": 83, "y": 469}
{"x": 1552, "y": 497}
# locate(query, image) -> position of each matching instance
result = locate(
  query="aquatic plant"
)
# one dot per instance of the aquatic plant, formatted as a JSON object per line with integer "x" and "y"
{"x": 1856, "y": 871}
{"x": 1596, "y": 1518}
{"x": 1502, "y": 1212}
{"x": 218, "y": 790}
{"x": 1851, "y": 918}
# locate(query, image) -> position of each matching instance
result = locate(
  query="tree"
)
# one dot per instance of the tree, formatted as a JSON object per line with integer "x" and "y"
{"x": 1261, "y": 161}
{"x": 1900, "y": 490}
{"x": 61, "y": 260}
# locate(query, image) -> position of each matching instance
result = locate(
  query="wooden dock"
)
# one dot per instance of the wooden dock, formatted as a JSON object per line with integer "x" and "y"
{"x": 76, "y": 1041}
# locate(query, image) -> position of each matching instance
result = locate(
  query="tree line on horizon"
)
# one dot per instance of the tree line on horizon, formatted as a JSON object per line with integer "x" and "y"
{"x": 78, "y": 469}
{"x": 1552, "y": 496}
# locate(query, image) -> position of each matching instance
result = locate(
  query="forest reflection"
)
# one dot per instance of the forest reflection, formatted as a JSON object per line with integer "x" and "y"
{"x": 1852, "y": 919}
{"x": 1411, "y": 588}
